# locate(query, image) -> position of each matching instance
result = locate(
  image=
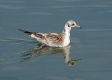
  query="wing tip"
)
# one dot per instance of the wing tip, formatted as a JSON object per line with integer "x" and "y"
{"x": 25, "y": 31}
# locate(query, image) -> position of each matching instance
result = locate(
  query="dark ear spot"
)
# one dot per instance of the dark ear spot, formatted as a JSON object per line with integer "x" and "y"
{"x": 73, "y": 24}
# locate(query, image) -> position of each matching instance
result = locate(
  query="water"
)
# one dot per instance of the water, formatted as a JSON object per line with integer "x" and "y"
{"x": 89, "y": 57}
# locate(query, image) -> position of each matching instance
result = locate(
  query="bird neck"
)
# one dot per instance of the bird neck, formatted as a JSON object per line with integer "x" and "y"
{"x": 66, "y": 33}
{"x": 67, "y": 30}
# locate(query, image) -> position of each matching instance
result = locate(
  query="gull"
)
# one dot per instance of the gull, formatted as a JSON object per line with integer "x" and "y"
{"x": 54, "y": 39}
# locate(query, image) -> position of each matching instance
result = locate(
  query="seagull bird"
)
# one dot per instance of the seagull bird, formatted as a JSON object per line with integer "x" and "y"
{"x": 54, "y": 39}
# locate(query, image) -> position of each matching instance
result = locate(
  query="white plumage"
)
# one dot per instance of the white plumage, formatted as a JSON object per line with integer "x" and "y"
{"x": 54, "y": 39}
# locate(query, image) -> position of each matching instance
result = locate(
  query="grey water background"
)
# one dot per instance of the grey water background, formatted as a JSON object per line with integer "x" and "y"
{"x": 92, "y": 45}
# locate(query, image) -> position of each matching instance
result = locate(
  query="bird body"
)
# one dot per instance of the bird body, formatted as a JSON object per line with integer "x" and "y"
{"x": 54, "y": 39}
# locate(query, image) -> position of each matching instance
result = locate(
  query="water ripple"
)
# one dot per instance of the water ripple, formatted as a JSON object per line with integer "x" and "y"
{"x": 70, "y": 0}
{"x": 10, "y": 7}
{"x": 16, "y": 40}
{"x": 40, "y": 13}
{"x": 96, "y": 30}
{"x": 11, "y": 1}
{"x": 84, "y": 6}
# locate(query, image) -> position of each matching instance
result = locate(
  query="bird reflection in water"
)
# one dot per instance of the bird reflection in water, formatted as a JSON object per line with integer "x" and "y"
{"x": 43, "y": 50}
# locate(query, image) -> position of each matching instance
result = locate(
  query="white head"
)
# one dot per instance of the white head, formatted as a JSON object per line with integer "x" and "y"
{"x": 70, "y": 24}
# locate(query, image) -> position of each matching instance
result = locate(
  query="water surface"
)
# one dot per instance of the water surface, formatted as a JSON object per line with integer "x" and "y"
{"x": 88, "y": 57}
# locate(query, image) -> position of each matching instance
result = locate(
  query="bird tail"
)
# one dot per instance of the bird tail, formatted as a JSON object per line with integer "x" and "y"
{"x": 25, "y": 31}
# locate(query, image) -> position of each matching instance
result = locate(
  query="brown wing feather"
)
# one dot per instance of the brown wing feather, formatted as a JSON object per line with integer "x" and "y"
{"x": 55, "y": 37}
{"x": 39, "y": 35}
